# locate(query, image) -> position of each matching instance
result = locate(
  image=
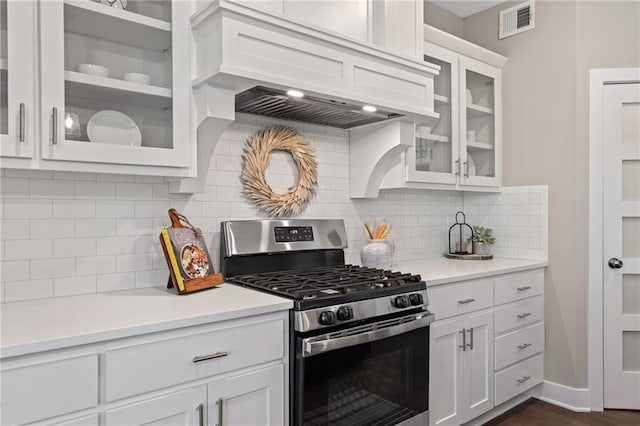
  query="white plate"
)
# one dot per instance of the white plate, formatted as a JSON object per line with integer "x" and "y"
{"x": 472, "y": 166}
{"x": 113, "y": 127}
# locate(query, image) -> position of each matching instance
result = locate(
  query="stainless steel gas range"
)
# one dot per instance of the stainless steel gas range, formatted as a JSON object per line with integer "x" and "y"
{"x": 359, "y": 351}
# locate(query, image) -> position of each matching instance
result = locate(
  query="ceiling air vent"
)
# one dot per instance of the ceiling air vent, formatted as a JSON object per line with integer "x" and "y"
{"x": 516, "y": 19}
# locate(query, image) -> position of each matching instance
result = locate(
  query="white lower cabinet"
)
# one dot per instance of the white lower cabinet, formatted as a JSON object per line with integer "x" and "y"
{"x": 484, "y": 352}
{"x": 461, "y": 364}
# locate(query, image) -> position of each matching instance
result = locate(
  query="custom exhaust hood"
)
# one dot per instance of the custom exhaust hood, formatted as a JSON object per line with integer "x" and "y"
{"x": 249, "y": 61}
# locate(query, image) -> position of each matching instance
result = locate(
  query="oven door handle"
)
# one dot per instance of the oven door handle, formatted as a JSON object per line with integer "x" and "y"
{"x": 310, "y": 347}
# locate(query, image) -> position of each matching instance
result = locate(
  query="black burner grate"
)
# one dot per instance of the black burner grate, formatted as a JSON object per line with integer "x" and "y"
{"x": 334, "y": 282}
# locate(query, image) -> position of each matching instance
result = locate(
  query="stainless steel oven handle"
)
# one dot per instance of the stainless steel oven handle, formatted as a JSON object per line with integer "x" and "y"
{"x": 310, "y": 348}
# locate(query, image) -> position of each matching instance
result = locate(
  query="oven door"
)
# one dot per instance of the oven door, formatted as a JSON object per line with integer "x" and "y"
{"x": 372, "y": 374}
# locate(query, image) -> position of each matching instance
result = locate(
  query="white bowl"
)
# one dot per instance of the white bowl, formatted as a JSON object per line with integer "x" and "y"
{"x": 136, "y": 77}
{"x": 93, "y": 69}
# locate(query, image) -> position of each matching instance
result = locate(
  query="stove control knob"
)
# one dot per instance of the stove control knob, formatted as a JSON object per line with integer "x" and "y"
{"x": 415, "y": 299}
{"x": 401, "y": 302}
{"x": 327, "y": 318}
{"x": 345, "y": 313}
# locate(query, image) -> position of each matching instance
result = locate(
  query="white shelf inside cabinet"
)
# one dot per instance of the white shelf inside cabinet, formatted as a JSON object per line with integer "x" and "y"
{"x": 478, "y": 111}
{"x": 479, "y": 146}
{"x": 441, "y": 98}
{"x": 117, "y": 91}
{"x": 108, "y": 23}
{"x": 432, "y": 137}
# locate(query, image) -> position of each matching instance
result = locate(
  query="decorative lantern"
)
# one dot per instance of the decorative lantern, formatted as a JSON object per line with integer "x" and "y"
{"x": 457, "y": 236}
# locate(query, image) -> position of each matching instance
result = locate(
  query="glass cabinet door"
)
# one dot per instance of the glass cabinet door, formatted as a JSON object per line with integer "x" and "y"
{"x": 115, "y": 82}
{"x": 17, "y": 74}
{"x": 433, "y": 157}
{"x": 480, "y": 133}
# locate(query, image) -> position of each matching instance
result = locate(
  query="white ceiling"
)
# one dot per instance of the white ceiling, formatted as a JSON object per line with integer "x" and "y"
{"x": 464, "y": 8}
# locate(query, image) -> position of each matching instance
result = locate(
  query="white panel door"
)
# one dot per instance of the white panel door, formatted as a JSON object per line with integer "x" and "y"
{"x": 621, "y": 214}
{"x": 446, "y": 373}
{"x": 478, "y": 365}
{"x": 255, "y": 398}
{"x": 184, "y": 408}
{"x": 17, "y": 78}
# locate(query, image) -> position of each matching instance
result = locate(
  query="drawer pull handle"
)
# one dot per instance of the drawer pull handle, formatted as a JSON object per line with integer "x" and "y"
{"x": 220, "y": 403}
{"x": 470, "y": 345}
{"x": 524, "y": 288}
{"x": 55, "y": 126}
{"x": 202, "y": 410}
{"x": 465, "y": 301}
{"x": 523, "y": 346}
{"x": 464, "y": 340}
{"x": 523, "y": 316}
{"x": 523, "y": 379}
{"x": 210, "y": 356}
{"x": 23, "y": 123}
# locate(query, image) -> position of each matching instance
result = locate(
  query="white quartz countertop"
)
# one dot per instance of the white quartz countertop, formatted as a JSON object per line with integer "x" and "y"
{"x": 46, "y": 324}
{"x": 437, "y": 271}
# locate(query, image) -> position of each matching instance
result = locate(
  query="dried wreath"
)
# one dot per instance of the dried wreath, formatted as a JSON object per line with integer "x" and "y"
{"x": 256, "y": 157}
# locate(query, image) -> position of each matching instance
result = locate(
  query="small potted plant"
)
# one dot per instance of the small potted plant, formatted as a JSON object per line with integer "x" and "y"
{"x": 482, "y": 239}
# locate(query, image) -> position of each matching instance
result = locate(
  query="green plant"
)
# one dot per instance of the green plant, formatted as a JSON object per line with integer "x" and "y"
{"x": 482, "y": 235}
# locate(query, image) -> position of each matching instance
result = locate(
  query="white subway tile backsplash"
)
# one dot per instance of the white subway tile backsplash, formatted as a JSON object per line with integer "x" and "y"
{"x": 30, "y": 174}
{"x": 74, "y": 208}
{"x": 14, "y": 229}
{"x": 27, "y": 290}
{"x": 134, "y": 262}
{"x": 135, "y": 226}
{"x": 134, "y": 191}
{"x": 52, "y": 268}
{"x": 28, "y": 249}
{"x": 156, "y": 278}
{"x": 74, "y": 247}
{"x": 115, "y": 245}
{"x": 152, "y": 208}
{"x": 61, "y": 175}
{"x": 53, "y": 189}
{"x": 54, "y": 228}
{"x": 74, "y": 285}
{"x": 14, "y": 187}
{"x": 115, "y": 282}
{"x": 95, "y": 227}
{"x": 17, "y": 208}
{"x": 114, "y": 209}
{"x": 96, "y": 190}
{"x": 94, "y": 265}
{"x": 14, "y": 270}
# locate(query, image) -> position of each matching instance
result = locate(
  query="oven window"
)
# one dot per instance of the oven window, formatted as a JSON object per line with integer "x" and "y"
{"x": 383, "y": 382}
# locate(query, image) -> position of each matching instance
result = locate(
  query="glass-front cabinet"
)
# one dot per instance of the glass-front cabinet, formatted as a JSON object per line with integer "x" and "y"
{"x": 114, "y": 84}
{"x": 463, "y": 146}
{"x": 17, "y": 78}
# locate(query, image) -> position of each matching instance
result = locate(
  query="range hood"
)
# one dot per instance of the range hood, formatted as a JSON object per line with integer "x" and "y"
{"x": 246, "y": 60}
{"x": 308, "y": 109}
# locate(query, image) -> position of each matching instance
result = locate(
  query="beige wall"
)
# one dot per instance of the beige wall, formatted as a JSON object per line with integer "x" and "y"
{"x": 438, "y": 17}
{"x": 545, "y": 131}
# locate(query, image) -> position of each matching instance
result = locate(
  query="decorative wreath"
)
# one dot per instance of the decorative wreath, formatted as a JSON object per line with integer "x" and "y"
{"x": 256, "y": 158}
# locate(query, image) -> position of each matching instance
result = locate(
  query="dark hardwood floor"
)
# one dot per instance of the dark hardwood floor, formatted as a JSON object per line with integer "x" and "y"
{"x": 538, "y": 413}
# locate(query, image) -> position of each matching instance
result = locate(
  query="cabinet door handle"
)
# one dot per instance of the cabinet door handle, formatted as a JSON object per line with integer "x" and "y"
{"x": 523, "y": 346}
{"x": 523, "y": 379}
{"x": 202, "y": 411}
{"x": 220, "y": 403}
{"x": 470, "y": 338}
{"x": 466, "y": 169}
{"x": 55, "y": 126}
{"x": 465, "y": 301}
{"x": 210, "y": 356}
{"x": 23, "y": 123}
{"x": 464, "y": 340}
{"x": 524, "y": 315}
{"x": 457, "y": 167}
{"x": 524, "y": 288}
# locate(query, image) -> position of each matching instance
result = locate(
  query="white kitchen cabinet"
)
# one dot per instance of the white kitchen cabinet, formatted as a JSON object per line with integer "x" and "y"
{"x": 149, "y": 38}
{"x": 486, "y": 344}
{"x": 252, "y": 398}
{"x": 17, "y": 78}
{"x": 461, "y": 375}
{"x": 183, "y": 408}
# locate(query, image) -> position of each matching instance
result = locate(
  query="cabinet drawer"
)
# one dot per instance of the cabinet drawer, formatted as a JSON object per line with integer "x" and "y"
{"x": 137, "y": 369}
{"x": 518, "y": 345}
{"x": 450, "y": 300}
{"x": 519, "y": 378}
{"x": 517, "y": 314}
{"x": 49, "y": 389}
{"x": 518, "y": 286}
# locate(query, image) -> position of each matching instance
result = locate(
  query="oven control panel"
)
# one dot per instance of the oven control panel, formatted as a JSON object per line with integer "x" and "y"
{"x": 287, "y": 234}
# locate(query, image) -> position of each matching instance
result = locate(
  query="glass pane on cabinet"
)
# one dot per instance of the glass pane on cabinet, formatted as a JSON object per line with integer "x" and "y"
{"x": 631, "y": 123}
{"x": 4, "y": 112}
{"x": 630, "y": 180}
{"x": 433, "y": 140}
{"x": 631, "y": 294}
{"x": 118, "y": 74}
{"x": 630, "y": 240}
{"x": 480, "y": 137}
{"x": 631, "y": 351}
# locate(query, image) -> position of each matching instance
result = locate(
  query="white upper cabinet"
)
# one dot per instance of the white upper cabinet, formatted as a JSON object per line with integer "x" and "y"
{"x": 91, "y": 118}
{"x": 17, "y": 78}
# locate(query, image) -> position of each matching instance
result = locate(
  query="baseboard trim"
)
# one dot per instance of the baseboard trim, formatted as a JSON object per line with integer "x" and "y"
{"x": 574, "y": 399}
